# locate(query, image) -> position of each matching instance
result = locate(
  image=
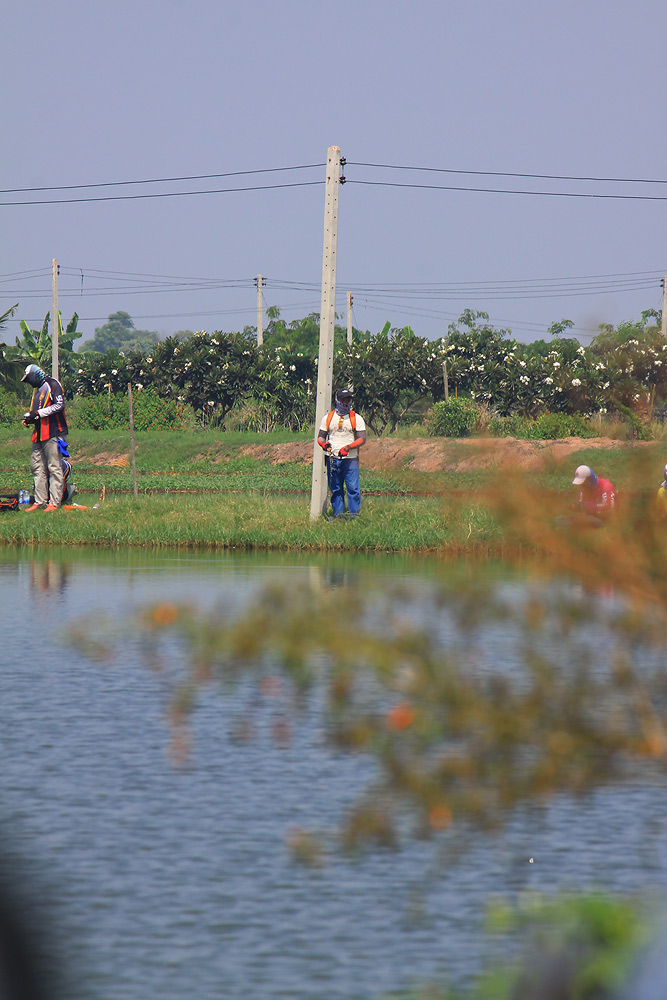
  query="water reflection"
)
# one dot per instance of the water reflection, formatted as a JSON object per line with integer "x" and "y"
{"x": 182, "y": 880}
{"x": 48, "y": 576}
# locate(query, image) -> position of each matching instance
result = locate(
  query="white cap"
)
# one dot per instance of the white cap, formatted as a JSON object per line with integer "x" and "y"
{"x": 582, "y": 473}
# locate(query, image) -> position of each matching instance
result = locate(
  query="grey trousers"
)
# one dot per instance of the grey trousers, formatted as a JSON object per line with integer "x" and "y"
{"x": 46, "y": 467}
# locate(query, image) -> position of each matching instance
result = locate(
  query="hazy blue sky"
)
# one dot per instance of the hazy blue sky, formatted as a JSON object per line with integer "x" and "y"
{"x": 124, "y": 91}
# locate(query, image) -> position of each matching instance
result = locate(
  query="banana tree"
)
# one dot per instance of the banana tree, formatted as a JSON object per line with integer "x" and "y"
{"x": 37, "y": 345}
{"x": 10, "y": 370}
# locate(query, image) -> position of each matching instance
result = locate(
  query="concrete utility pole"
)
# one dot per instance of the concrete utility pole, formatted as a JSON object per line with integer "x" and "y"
{"x": 318, "y": 495}
{"x": 663, "y": 327}
{"x": 55, "y": 317}
{"x": 349, "y": 318}
{"x": 134, "y": 462}
{"x": 445, "y": 380}
{"x": 260, "y": 311}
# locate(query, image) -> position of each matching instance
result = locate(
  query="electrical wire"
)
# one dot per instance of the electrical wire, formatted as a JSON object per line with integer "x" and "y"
{"x": 506, "y": 173}
{"x": 160, "y": 180}
{"x": 159, "y": 194}
{"x": 540, "y": 194}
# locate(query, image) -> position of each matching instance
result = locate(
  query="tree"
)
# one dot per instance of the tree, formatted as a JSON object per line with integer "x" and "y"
{"x": 301, "y": 335}
{"x": 119, "y": 333}
{"x": 10, "y": 367}
{"x": 389, "y": 374}
{"x": 37, "y": 345}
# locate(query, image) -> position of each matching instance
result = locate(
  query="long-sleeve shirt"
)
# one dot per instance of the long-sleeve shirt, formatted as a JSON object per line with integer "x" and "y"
{"x": 49, "y": 402}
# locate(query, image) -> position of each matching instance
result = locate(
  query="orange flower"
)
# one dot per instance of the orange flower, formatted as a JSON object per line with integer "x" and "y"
{"x": 400, "y": 717}
{"x": 165, "y": 614}
{"x": 440, "y": 816}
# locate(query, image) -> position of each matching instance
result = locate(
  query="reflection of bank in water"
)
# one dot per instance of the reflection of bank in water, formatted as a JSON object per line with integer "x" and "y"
{"x": 48, "y": 576}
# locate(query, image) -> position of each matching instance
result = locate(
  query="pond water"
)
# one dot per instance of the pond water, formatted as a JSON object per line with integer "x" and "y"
{"x": 143, "y": 879}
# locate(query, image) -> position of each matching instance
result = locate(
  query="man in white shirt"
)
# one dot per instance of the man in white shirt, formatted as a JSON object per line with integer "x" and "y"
{"x": 341, "y": 434}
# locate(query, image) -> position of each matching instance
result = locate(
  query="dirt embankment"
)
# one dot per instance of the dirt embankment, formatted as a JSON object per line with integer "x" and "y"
{"x": 445, "y": 454}
{"x": 415, "y": 454}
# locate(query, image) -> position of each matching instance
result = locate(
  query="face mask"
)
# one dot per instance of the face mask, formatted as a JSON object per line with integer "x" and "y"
{"x": 343, "y": 407}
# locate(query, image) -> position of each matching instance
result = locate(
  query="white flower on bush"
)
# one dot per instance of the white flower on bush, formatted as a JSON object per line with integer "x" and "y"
{"x": 292, "y": 368}
{"x": 522, "y": 364}
{"x": 211, "y": 402}
{"x": 114, "y": 371}
{"x": 576, "y": 381}
{"x": 139, "y": 386}
{"x": 605, "y": 385}
{"x": 549, "y": 380}
{"x": 149, "y": 360}
{"x": 580, "y": 350}
{"x": 556, "y": 364}
{"x": 524, "y": 378}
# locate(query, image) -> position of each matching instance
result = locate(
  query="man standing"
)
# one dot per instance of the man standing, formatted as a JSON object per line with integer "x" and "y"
{"x": 341, "y": 434}
{"x": 47, "y": 418}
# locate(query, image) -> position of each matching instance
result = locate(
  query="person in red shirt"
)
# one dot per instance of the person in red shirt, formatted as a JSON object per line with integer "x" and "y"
{"x": 597, "y": 497}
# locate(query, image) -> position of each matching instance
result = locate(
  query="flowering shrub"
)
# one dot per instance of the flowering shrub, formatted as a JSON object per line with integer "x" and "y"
{"x": 394, "y": 373}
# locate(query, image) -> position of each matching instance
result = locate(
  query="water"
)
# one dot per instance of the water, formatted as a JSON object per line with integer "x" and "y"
{"x": 149, "y": 880}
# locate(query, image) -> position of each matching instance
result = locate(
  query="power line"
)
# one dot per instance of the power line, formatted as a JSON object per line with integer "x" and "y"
{"x": 159, "y": 194}
{"x": 505, "y": 173}
{"x": 159, "y": 180}
{"x": 537, "y": 194}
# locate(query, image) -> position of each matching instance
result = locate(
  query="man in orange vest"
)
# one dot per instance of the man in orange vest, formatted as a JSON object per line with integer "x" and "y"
{"x": 47, "y": 419}
{"x": 342, "y": 433}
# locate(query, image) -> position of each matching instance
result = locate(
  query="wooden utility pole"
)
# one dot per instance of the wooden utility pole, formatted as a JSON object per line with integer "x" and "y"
{"x": 663, "y": 326}
{"x": 260, "y": 311}
{"x": 318, "y": 495}
{"x": 55, "y": 317}
{"x": 349, "y": 318}
{"x": 445, "y": 380}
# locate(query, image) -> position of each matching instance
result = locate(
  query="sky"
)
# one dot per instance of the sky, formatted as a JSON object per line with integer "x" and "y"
{"x": 465, "y": 90}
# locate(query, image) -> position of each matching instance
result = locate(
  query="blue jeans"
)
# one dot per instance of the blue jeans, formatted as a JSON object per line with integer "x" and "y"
{"x": 343, "y": 474}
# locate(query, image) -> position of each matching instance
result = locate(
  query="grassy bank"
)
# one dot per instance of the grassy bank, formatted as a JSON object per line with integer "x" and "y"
{"x": 219, "y": 491}
{"x": 255, "y": 522}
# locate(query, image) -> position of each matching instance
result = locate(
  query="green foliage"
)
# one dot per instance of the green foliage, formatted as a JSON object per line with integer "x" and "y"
{"x": 639, "y": 429}
{"x": 10, "y": 407}
{"x": 119, "y": 334}
{"x": 395, "y": 374}
{"x": 579, "y": 947}
{"x": 390, "y": 372}
{"x": 149, "y": 412}
{"x": 302, "y": 335}
{"x": 546, "y": 427}
{"x": 455, "y": 417}
{"x": 37, "y": 345}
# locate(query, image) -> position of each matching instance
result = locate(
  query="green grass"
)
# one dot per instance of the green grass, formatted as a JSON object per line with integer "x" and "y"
{"x": 200, "y": 489}
{"x": 253, "y": 522}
